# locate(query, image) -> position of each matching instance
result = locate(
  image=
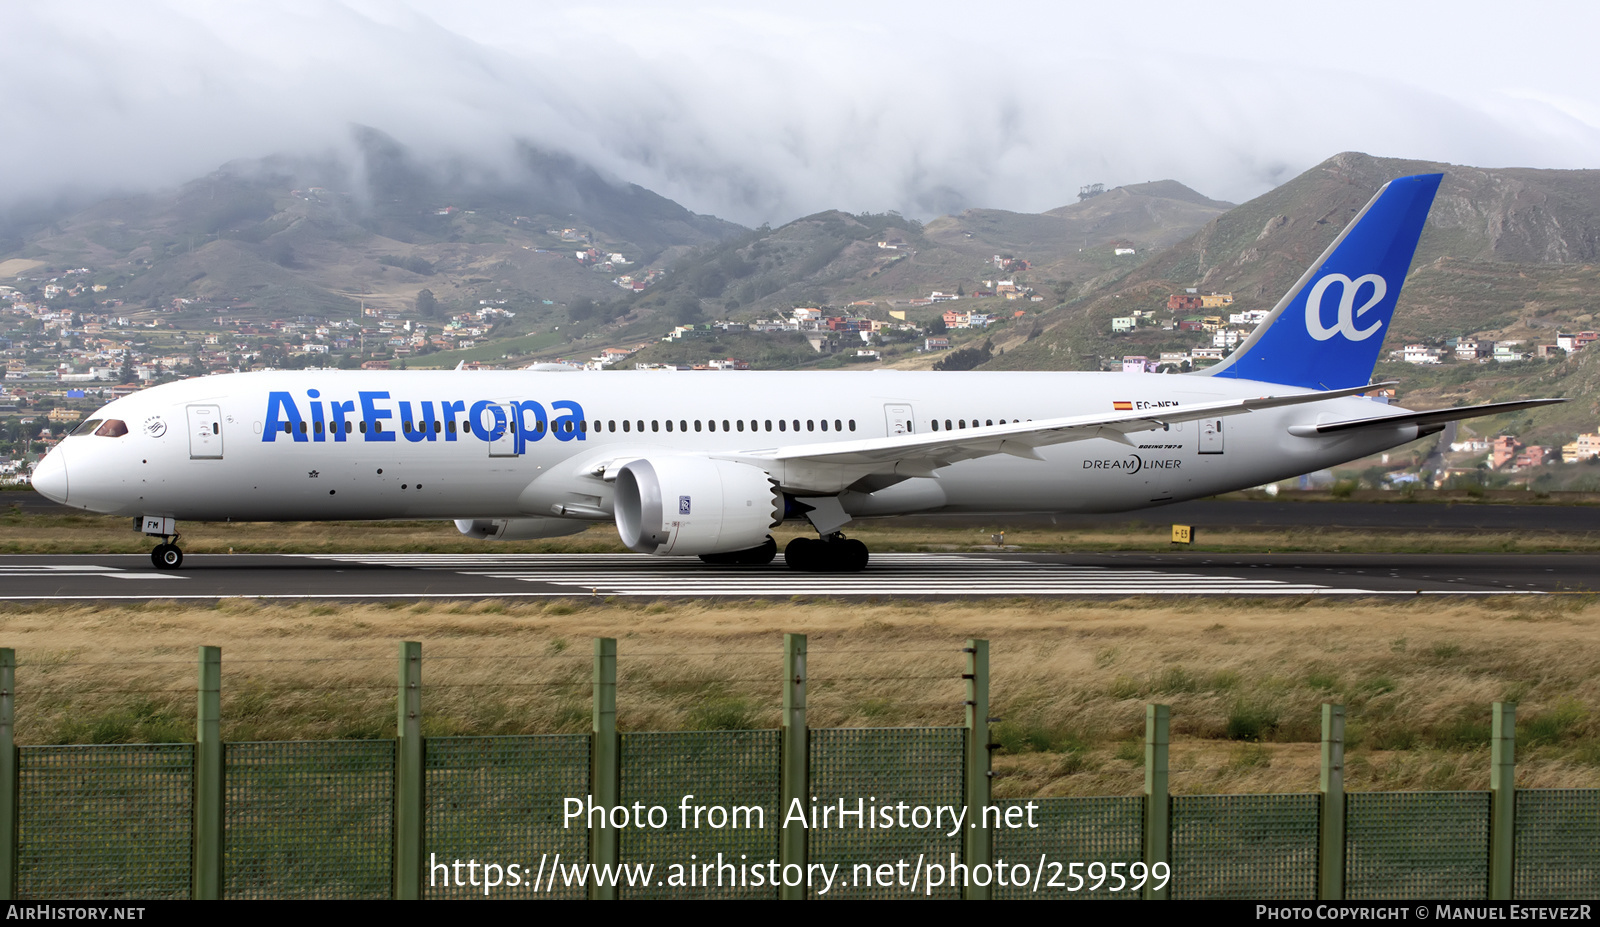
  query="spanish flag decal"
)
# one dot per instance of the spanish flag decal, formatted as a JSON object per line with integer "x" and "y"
{"x": 1122, "y": 406}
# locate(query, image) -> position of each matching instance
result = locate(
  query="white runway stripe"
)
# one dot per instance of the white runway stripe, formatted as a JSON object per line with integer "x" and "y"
{"x": 888, "y": 574}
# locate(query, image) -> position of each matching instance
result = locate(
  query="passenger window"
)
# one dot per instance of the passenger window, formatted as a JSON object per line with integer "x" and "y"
{"x": 113, "y": 428}
{"x": 837, "y": 428}
{"x": 625, "y": 424}
{"x": 450, "y": 427}
{"x": 769, "y": 424}
{"x": 87, "y": 428}
{"x": 796, "y": 424}
{"x": 641, "y": 425}
{"x": 583, "y": 425}
{"x": 853, "y": 425}
{"x": 669, "y": 424}
{"x": 988, "y": 421}
{"x": 810, "y": 425}
{"x": 302, "y": 427}
{"x": 377, "y": 427}
{"x": 935, "y": 424}
{"x": 437, "y": 427}
{"x": 783, "y": 425}
{"x": 741, "y": 424}
{"x": 948, "y": 426}
{"x": 961, "y": 423}
{"x": 612, "y": 425}
{"x": 655, "y": 425}
{"x": 696, "y": 424}
{"x": 725, "y": 425}
{"x": 824, "y": 424}
{"x": 683, "y": 425}
{"x": 405, "y": 426}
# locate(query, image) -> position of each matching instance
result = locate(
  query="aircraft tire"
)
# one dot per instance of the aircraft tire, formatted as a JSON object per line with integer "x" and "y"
{"x": 854, "y": 555}
{"x": 166, "y": 557}
{"x": 801, "y": 554}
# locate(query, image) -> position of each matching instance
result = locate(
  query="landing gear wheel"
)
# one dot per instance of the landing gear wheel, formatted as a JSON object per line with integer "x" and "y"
{"x": 837, "y": 554}
{"x": 166, "y": 557}
{"x": 853, "y": 555}
{"x": 800, "y": 554}
{"x": 755, "y": 556}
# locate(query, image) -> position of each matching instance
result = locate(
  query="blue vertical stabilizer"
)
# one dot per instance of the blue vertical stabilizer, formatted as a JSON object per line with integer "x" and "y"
{"x": 1326, "y": 331}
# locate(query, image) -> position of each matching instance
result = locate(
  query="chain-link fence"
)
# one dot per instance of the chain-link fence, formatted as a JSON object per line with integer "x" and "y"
{"x": 722, "y": 815}
{"x": 309, "y": 819}
{"x": 1558, "y": 844}
{"x": 500, "y": 800}
{"x": 1245, "y": 846}
{"x": 108, "y": 822}
{"x": 1416, "y": 845}
{"x": 1073, "y": 830}
{"x": 873, "y": 771}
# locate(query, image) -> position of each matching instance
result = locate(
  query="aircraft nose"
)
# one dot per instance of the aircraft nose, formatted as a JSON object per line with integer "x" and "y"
{"x": 50, "y": 477}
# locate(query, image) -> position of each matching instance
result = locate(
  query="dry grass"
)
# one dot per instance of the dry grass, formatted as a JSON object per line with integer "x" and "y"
{"x": 1245, "y": 679}
{"x": 97, "y": 534}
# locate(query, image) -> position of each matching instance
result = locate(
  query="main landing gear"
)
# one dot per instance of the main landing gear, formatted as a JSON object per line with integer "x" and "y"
{"x": 833, "y": 553}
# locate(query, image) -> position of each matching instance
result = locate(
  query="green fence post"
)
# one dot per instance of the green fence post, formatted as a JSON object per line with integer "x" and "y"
{"x": 1157, "y": 834}
{"x": 1330, "y": 862}
{"x": 605, "y": 758}
{"x": 979, "y": 844}
{"x": 8, "y": 774}
{"x": 408, "y": 798}
{"x": 1502, "y": 809}
{"x": 795, "y": 779}
{"x": 207, "y": 863}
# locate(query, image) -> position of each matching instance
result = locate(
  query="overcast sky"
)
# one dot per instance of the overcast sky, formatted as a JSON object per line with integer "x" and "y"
{"x": 760, "y": 112}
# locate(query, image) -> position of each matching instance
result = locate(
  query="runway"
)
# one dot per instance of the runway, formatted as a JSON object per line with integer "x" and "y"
{"x": 981, "y": 575}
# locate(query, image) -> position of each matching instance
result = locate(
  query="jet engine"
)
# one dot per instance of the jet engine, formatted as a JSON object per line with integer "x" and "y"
{"x": 518, "y": 529}
{"x": 695, "y": 505}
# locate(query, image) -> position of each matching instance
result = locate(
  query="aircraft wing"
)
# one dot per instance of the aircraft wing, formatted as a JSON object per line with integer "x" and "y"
{"x": 1421, "y": 418}
{"x": 920, "y": 454}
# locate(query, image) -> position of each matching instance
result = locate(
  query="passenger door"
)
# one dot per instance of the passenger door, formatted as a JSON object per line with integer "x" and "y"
{"x": 503, "y": 443}
{"x": 1211, "y": 436}
{"x": 205, "y": 432}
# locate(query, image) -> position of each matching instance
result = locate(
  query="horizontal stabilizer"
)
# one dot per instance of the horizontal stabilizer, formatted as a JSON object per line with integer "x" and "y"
{"x": 1421, "y": 418}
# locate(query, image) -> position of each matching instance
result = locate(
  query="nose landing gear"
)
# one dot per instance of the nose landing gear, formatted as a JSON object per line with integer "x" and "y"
{"x": 166, "y": 555}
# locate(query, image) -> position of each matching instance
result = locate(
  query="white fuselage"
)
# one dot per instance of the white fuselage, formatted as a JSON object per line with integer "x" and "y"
{"x": 216, "y": 448}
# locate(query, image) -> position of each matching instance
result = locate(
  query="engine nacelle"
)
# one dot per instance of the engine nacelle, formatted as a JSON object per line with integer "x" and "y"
{"x": 518, "y": 529}
{"x": 695, "y": 505}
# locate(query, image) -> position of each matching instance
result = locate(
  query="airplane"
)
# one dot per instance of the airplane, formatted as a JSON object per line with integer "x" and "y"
{"x": 708, "y": 465}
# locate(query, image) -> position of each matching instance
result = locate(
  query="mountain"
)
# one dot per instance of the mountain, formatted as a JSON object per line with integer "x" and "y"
{"x": 836, "y": 259}
{"x": 284, "y": 236}
{"x": 1508, "y": 254}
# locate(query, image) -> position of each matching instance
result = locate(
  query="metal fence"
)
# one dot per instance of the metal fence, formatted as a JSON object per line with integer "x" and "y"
{"x": 403, "y": 817}
{"x": 500, "y": 798}
{"x": 110, "y": 822}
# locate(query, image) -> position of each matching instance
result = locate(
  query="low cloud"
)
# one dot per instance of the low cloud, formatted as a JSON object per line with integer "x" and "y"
{"x": 758, "y": 116}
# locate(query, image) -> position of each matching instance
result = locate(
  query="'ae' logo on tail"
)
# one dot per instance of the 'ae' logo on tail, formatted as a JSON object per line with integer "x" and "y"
{"x": 1348, "y": 311}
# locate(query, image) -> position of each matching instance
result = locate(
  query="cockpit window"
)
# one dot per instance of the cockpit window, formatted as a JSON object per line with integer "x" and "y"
{"x": 87, "y": 427}
{"x": 113, "y": 428}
